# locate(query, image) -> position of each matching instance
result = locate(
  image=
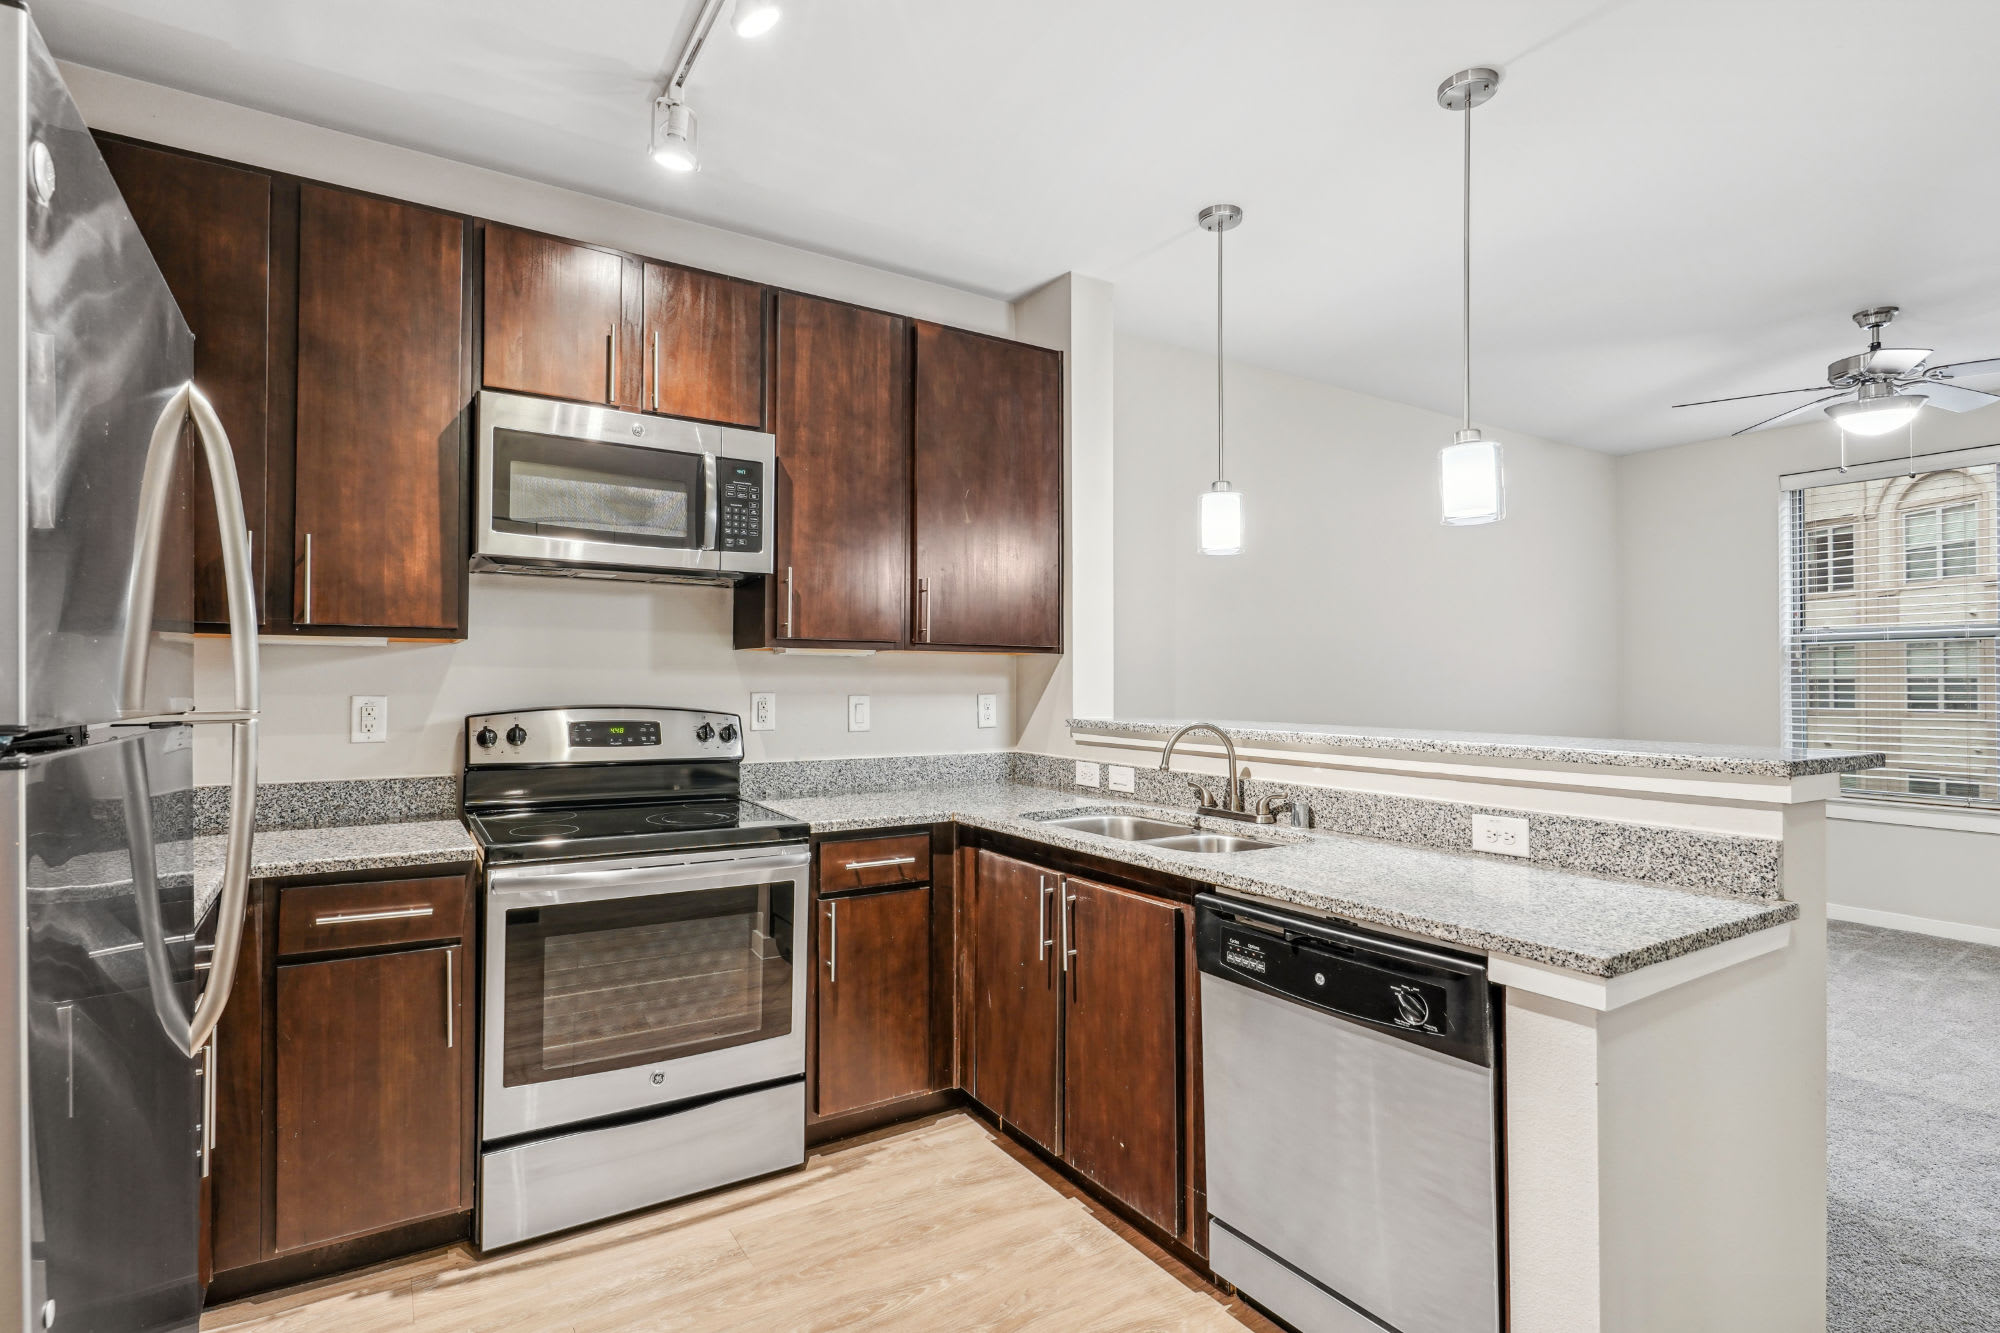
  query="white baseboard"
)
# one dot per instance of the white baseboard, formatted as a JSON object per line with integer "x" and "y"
{"x": 1920, "y": 925}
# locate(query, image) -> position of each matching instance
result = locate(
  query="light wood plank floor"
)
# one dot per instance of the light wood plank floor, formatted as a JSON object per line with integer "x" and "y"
{"x": 938, "y": 1226}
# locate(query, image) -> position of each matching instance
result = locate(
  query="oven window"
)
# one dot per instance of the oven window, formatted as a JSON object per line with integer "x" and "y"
{"x": 634, "y": 981}
{"x": 587, "y": 490}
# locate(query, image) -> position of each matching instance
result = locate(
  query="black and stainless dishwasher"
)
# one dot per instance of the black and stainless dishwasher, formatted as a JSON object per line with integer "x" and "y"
{"x": 1353, "y": 1177}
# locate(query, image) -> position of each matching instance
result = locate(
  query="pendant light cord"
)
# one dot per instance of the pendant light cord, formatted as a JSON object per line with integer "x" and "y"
{"x": 1220, "y": 474}
{"x": 1466, "y": 258}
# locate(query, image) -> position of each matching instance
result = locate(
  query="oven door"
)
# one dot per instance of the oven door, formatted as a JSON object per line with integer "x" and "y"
{"x": 617, "y": 987}
{"x": 566, "y": 485}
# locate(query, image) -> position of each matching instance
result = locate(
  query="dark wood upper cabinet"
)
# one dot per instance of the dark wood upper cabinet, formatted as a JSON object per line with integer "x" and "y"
{"x": 843, "y": 428}
{"x": 874, "y": 1014}
{"x": 1122, "y": 1044}
{"x": 1016, "y": 995}
{"x": 562, "y": 319}
{"x": 988, "y": 481}
{"x": 209, "y": 228}
{"x": 378, "y": 489}
{"x": 368, "y": 1114}
{"x": 703, "y": 354}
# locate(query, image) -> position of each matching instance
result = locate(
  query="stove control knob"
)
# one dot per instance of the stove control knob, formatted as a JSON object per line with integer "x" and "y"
{"x": 704, "y": 733}
{"x": 728, "y": 732}
{"x": 516, "y": 734}
{"x": 487, "y": 738}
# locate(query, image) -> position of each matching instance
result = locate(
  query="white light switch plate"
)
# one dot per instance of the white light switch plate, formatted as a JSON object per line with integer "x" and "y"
{"x": 857, "y": 712}
{"x": 1502, "y": 834}
{"x": 1119, "y": 777}
{"x": 367, "y": 718}
{"x": 763, "y": 712}
{"x": 989, "y": 710}
{"x": 1086, "y": 773}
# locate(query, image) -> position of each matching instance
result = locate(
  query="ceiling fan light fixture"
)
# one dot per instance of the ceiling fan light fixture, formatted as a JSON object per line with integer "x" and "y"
{"x": 673, "y": 136}
{"x": 754, "y": 18}
{"x": 1877, "y": 416}
{"x": 1471, "y": 484}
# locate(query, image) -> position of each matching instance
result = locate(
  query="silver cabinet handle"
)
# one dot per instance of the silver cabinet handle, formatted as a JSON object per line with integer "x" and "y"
{"x": 208, "y": 1096}
{"x": 656, "y": 370}
{"x": 450, "y": 1002}
{"x": 307, "y": 618}
{"x": 155, "y": 488}
{"x": 885, "y": 861}
{"x": 923, "y": 610}
{"x": 1069, "y": 925}
{"x": 1042, "y": 941}
{"x": 788, "y": 602}
{"x": 387, "y": 914}
{"x": 833, "y": 940}
{"x": 611, "y": 365}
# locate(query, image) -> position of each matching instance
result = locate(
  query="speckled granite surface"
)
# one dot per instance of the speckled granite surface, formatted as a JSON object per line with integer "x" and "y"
{"x": 1733, "y": 864}
{"x": 326, "y": 851}
{"x": 294, "y": 805}
{"x": 767, "y": 779}
{"x": 1696, "y": 757}
{"x": 1601, "y": 927}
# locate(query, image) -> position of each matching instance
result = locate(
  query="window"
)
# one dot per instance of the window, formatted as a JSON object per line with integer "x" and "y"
{"x": 1891, "y": 621}
{"x": 1941, "y": 676}
{"x": 1940, "y": 543}
{"x": 1830, "y": 558}
{"x": 1831, "y": 681}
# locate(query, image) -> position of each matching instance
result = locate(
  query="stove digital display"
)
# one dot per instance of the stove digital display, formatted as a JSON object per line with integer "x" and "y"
{"x": 600, "y": 734}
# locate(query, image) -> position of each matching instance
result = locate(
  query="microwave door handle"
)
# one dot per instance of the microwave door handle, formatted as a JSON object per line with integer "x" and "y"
{"x": 711, "y": 514}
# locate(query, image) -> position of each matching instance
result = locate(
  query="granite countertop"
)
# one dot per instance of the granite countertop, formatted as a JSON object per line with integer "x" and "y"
{"x": 1687, "y": 756}
{"x": 327, "y": 851}
{"x": 1600, "y": 927}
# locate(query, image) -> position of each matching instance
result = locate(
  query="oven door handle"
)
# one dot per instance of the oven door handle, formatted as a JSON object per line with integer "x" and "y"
{"x": 540, "y": 886}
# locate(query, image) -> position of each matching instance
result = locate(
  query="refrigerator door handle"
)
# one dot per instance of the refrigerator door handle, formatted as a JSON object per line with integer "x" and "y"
{"x": 155, "y": 490}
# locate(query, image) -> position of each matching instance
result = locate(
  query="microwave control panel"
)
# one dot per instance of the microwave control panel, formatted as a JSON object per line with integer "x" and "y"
{"x": 740, "y": 508}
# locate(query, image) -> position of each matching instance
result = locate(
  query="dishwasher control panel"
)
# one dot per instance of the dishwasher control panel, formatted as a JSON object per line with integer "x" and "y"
{"x": 1434, "y": 998}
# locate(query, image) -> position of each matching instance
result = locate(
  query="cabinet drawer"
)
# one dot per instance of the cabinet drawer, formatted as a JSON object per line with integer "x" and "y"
{"x": 866, "y": 863}
{"x": 315, "y": 918}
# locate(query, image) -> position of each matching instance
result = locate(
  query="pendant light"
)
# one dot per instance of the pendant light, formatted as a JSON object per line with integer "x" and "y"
{"x": 1221, "y": 511}
{"x": 1471, "y": 485}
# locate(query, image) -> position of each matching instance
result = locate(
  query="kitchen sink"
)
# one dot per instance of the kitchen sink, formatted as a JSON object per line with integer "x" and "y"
{"x": 1130, "y": 828}
{"x": 1210, "y": 842}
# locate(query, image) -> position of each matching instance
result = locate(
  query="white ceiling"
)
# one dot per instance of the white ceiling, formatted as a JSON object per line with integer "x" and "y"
{"x": 1675, "y": 198}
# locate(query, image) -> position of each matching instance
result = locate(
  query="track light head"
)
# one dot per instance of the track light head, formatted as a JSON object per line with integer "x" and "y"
{"x": 754, "y": 18}
{"x": 673, "y": 136}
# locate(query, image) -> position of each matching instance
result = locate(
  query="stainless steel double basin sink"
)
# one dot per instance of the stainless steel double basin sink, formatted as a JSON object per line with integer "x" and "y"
{"x": 1159, "y": 833}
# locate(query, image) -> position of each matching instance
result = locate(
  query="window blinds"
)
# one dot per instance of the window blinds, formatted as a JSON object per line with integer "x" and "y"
{"x": 1892, "y": 593}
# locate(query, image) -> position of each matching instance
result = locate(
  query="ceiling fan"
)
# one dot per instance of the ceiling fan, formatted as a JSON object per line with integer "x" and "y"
{"x": 1881, "y": 389}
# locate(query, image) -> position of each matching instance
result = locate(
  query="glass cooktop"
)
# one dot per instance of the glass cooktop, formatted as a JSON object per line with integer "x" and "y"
{"x": 551, "y": 833}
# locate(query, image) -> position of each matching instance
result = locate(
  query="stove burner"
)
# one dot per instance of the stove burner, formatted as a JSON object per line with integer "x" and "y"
{"x": 540, "y": 830}
{"x": 692, "y": 818}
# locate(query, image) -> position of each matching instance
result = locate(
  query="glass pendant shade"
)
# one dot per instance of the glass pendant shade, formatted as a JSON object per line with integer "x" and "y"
{"x": 1469, "y": 480}
{"x": 1877, "y": 416}
{"x": 1221, "y": 520}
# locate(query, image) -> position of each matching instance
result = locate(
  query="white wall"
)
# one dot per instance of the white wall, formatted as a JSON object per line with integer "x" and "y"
{"x": 539, "y": 642}
{"x": 1351, "y": 602}
{"x": 1698, "y": 551}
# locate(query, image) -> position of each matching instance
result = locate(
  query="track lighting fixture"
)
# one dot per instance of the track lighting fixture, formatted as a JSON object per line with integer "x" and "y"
{"x": 673, "y": 119}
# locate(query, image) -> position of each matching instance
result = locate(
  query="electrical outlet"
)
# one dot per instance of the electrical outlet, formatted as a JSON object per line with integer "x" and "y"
{"x": 857, "y": 712}
{"x": 763, "y": 712}
{"x": 367, "y": 718}
{"x": 1502, "y": 834}
{"x": 1086, "y": 773}
{"x": 989, "y": 710}
{"x": 1119, "y": 777}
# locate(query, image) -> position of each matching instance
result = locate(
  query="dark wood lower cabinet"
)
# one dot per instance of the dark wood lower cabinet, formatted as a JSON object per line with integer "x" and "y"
{"x": 1017, "y": 996}
{"x": 1121, "y": 1046}
{"x": 874, "y": 998}
{"x": 368, "y": 1103}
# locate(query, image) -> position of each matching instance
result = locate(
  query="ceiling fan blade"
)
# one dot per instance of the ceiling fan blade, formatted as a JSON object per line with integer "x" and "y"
{"x": 1895, "y": 360}
{"x": 1794, "y": 413}
{"x": 1953, "y": 397}
{"x": 1959, "y": 370}
{"x": 1811, "y": 388}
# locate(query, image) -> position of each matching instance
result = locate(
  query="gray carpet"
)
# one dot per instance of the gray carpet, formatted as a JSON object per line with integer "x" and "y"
{"x": 1913, "y": 1126}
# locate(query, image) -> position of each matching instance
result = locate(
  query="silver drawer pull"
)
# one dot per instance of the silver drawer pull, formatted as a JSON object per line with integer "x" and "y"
{"x": 392, "y": 914}
{"x": 887, "y": 861}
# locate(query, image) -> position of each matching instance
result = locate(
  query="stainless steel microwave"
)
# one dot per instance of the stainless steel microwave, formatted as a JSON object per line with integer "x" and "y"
{"x": 567, "y": 488}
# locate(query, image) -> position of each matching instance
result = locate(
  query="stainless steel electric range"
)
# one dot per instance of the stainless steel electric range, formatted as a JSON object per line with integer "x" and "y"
{"x": 643, "y": 986}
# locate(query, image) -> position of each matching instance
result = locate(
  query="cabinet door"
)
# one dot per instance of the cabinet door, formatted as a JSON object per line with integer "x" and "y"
{"x": 704, "y": 348}
{"x": 1121, "y": 1054}
{"x": 369, "y": 1084}
{"x": 1016, "y": 996}
{"x": 209, "y": 228}
{"x": 874, "y": 998}
{"x": 988, "y": 492}
{"x": 561, "y": 319}
{"x": 843, "y": 428}
{"x": 379, "y": 482}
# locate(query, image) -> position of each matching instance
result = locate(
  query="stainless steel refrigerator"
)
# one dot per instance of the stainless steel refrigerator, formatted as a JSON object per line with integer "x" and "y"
{"x": 106, "y": 1015}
